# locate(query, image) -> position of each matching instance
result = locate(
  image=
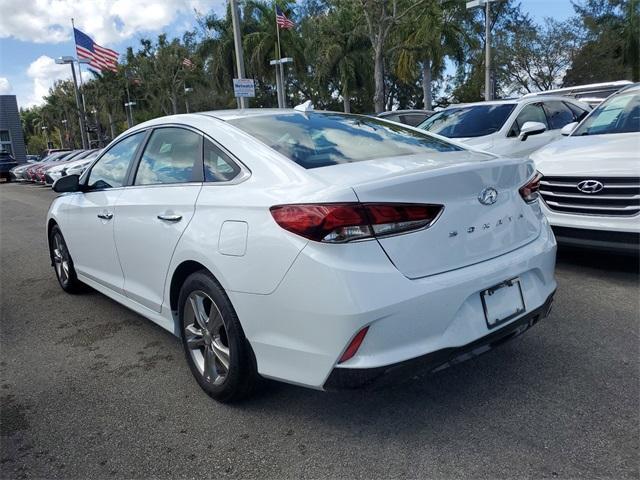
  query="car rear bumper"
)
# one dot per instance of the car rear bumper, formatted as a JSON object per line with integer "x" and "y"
{"x": 346, "y": 378}
{"x": 331, "y": 292}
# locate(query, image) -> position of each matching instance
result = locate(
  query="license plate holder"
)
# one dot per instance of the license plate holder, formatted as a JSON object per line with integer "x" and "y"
{"x": 502, "y": 302}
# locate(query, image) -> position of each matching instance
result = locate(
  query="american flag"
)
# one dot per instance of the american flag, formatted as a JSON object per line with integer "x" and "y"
{"x": 187, "y": 63}
{"x": 282, "y": 20}
{"x": 100, "y": 58}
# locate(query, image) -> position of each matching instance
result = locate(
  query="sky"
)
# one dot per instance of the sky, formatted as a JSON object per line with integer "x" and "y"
{"x": 35, "y": 32}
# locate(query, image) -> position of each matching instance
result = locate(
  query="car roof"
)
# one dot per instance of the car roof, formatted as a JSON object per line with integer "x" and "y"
{"x": 247, "y": 112}
{"x": 631, "y": 88}
{"x": 401, "y": 112}
{"x": 516, "y": 101}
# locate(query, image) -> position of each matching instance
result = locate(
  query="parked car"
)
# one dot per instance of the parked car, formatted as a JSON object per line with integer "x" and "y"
{"x": 317, "y": 248}
{"x": 60, "y": 169}
{"x": 593, "y": 94}
{"x": 515, "y": 127}
{"x": 591, "y": 179}
{"x": 408, "y": 117}
{"x": 7, "y": 162}
{"x": 32, "y": 173}
{"x": 49, "y": 151}
{"x": 33, "y": 158}
{"x": 80, "y": 167}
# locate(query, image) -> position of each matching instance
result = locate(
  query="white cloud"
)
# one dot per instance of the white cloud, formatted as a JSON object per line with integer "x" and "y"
{"x": 5, "y": 86}
{"x": 44, "y": 72}
{"x": 106, "y": 21}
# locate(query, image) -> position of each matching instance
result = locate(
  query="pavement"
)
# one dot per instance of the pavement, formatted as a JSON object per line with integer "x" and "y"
{"x": 89, "y": 389}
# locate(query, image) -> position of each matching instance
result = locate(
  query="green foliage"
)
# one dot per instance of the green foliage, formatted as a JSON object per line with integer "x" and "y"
{"x": 611, "y": 47}
{"x": 352, "y": 55}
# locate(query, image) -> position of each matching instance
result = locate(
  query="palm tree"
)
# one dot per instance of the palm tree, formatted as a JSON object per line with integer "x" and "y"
{"x": 430, "y": 37}
{"x": 343, "y": 51}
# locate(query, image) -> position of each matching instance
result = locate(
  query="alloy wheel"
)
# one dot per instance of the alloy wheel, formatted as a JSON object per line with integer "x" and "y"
{"x": 61, "y": 258}
{"x": 206, "y": 337}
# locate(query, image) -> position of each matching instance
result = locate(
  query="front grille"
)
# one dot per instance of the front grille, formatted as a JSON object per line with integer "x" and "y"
{"x": 619, "y": 197}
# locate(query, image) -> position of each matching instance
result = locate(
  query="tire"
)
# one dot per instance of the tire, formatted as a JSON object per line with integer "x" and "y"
{"x": 63, "y": 263}
{"x": 218, "y": 354}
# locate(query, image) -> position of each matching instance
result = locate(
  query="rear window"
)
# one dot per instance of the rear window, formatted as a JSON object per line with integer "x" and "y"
{"x": 317, "y": 139}
{"x": 469, "y": 121}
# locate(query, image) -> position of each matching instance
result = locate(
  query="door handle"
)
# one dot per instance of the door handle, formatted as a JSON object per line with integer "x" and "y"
{"x": 170, "y": 218}
{"x": 105, "y": 216}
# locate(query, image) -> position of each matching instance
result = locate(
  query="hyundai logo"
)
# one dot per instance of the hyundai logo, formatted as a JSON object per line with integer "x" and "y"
{"x": 488, "y": 196}
{"x": 590, "y": 186}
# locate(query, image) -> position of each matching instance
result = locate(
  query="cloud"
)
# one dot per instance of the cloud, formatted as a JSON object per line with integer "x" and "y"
{"x": 107, "y": 21}
{"x": 44, "y": 72}
{"x": 5, "y": 86}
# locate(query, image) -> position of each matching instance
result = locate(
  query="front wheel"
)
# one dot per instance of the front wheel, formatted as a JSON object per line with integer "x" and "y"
{"x": 216, "y": 349}
{"x": 63, "y": 263}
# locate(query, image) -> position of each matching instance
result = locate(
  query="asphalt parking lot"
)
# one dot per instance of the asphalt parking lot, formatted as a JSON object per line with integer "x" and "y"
{"x": 89, "y": 389}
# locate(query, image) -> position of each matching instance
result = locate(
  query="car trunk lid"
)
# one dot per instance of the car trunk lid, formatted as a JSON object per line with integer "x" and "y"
{"x": 467, "y": 230}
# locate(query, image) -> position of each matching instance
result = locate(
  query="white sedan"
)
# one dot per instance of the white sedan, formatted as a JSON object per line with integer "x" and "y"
{"x": 315, "y": 248}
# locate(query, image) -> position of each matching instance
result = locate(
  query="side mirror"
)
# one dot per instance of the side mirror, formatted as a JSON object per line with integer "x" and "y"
{"x": 531, "y": 128}
{"x": 69, "y": 183}
{"x": 568, "y": 128}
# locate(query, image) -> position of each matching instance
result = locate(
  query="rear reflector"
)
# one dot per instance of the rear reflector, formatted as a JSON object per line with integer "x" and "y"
{"x": 529, "y": 192}
{"x": 344, "y": 222}
{"x": 354, "y": 345}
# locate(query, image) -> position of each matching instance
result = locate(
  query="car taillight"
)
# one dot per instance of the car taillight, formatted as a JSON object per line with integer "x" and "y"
{"x": 529, "y": 191}
{"x": 344, "y": 222}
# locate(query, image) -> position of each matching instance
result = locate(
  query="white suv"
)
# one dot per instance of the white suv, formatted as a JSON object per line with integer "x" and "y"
{"x": 513, "y": 128}
{"x": 591, "y": 179}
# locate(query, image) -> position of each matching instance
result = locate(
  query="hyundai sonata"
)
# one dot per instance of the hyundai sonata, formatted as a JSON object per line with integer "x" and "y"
{"x": 317, "y": 248}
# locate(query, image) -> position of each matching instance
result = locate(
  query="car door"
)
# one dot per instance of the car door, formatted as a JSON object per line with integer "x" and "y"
{"x": 152, "y": 213}
{"x": 512, "y": 145}
{"x": 88, "y": 227}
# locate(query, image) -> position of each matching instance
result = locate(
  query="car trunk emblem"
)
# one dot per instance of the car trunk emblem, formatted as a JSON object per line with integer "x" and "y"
{"x": 488, "y": 196}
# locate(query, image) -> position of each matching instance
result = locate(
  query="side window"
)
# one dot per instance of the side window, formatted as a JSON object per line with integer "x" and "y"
{"x": 110, "y": 171}
{"x": 578, "y": 112}
{"x": 530, "y": 113}
{"x": 169, "y": 157}
{"x": 218, "y": 167}
{"x": 559, "y": 114}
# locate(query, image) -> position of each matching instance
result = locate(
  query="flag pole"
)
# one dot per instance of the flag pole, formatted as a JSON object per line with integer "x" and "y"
{"x": 279, "y": 71}
{"x": 84, "y": 105}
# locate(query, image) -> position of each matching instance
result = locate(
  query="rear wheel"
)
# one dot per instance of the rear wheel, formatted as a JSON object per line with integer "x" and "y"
{"x": 216, "y": 349}
{"x": 62, "y": 262}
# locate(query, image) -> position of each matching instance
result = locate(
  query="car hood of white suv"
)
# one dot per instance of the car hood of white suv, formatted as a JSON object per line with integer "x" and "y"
{"x": 605, "y": 155}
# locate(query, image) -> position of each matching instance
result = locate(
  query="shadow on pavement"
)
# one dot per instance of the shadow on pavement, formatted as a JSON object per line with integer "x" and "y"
{"x": 599, "y": 260}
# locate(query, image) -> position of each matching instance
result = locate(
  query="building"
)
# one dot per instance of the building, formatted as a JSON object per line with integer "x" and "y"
{"x": 11, "y": 138}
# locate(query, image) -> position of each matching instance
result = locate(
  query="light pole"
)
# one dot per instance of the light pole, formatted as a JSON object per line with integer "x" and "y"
{"x": 237, "y": 40}
{"x": 46, "y": 135}
{"x": 66, "y": 129}
{"x": 128, "y": 106}
{"x": 280, "y": 84}
{"x": 488, "y": 91}
{"x": 83, "y": 130}
{"x": 187, "y": 90}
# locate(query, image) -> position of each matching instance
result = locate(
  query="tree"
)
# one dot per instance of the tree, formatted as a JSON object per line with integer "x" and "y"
{"x": 428, "y": 38}
{"x": 380, "y": 17}
{"x": 533, "y": 58}
{"x": 343, "y": 52}
{"x": 611, "y": 47}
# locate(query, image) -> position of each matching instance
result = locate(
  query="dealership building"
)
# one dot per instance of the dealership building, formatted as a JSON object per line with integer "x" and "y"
{"x": 11, "y": 138}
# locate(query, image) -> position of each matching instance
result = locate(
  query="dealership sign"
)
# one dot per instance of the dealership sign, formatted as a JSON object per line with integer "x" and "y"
{"x": 244, "y": 87}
